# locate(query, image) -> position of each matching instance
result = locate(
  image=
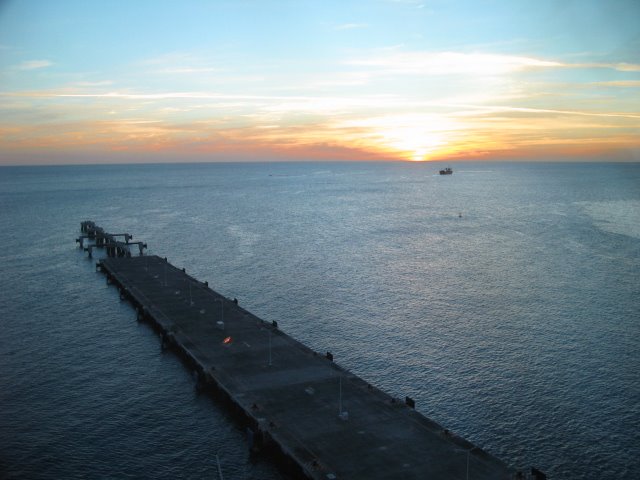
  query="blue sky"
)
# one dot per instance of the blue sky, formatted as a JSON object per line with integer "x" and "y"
{"x": 280, "y": 80}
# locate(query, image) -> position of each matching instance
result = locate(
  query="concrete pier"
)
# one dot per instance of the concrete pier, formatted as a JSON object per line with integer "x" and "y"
{"x": 320, "y": 420}
{"x": 330, "y": 423}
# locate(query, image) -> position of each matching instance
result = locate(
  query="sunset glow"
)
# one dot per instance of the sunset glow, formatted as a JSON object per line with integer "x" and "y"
{"x": 383, "y": 80}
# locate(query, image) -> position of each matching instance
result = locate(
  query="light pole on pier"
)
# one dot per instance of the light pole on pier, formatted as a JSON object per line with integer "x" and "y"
{"x": 190, "y": 295}
{"x": 467, "y": 452}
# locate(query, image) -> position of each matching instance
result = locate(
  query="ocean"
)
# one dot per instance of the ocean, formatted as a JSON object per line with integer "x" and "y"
{"x": 504, "y": 299}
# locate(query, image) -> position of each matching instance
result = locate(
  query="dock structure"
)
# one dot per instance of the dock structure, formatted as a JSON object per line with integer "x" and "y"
{"x": 109, "y": 241}
{"x": 320, "y": 420}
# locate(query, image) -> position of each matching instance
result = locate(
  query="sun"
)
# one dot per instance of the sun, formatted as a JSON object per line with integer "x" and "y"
{"x": 415, "y": 137}
{"x": 423, "y": 154}
{"x": 418, "y": 157}
{"x": 415, "y": 142}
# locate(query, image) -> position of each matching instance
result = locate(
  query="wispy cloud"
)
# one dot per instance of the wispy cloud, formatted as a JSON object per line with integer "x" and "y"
{"x": 315, "y": 104}
{"x": 541, "y": 111}
{"x": 181, "y": 63}
{"x": 34, "y": 64}
{"x": 619, "y": 83}
{"x": 164, "y": 96}
{"x": 621, "y": 67}
{"x": 450, "y": 63}
{"x": 100, "y": 83}
{"x": 395, "y": 61}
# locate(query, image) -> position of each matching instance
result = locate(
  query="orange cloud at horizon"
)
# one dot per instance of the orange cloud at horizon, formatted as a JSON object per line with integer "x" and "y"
{"x": 235, "y": 127}
{"x": 316, "y": 142}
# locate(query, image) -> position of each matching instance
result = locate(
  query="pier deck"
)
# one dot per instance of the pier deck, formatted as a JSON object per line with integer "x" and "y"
{"x": 290, "y": 395}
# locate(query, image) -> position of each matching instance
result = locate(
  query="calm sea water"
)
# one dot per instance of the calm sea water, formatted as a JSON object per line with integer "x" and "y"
{"x": 505, "y": 299}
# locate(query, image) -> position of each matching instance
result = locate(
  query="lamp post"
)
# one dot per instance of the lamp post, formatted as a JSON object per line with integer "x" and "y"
{"x": 220, "y": 323}
{"x": 340, "y": 396}
{"x": 221, "y": 300}
{"x": 190, "y": 296}
{"x": 467, "y": 452}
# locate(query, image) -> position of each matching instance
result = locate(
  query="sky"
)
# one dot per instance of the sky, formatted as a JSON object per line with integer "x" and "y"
{"x": 249, "y": 80}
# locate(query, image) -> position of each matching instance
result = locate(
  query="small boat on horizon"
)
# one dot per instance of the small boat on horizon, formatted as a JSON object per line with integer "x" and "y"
{"x": 446, "y": 171}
